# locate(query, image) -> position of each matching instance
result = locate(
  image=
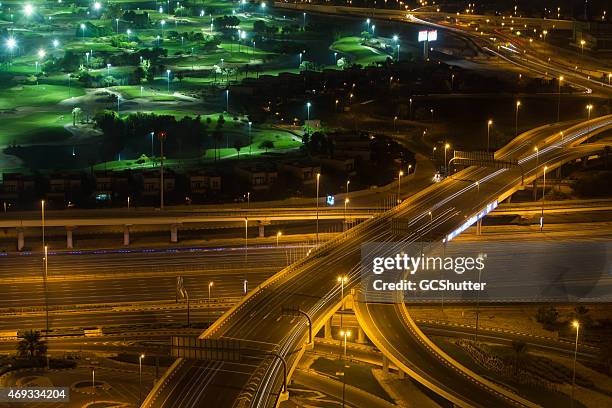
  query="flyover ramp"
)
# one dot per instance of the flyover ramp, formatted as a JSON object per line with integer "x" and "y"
{"x": 395, "y": 334}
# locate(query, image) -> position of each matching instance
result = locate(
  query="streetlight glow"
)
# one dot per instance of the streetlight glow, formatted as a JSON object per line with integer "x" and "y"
{"x": 28, "y": 9}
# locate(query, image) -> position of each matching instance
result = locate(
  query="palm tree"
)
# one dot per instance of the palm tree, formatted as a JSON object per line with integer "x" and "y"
{"x": 31, "y": 346}
{"x": 520, "y": 349}
{"x": 76, "y": 114}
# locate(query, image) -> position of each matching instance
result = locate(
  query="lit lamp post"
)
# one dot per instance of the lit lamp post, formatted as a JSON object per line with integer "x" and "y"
{"x": 345, "y": 334}
{"x": 317, "y": 201}
{"x": 518, "y": 105}
{"x": 589, "y": 107}
{"x": 308, "y": 105}
{"x": 210, "y": 285}
{"x": 489, "y": 124}
{"x": 537, "y": 152}
{"x": 11, "y": 44}
{"x": 168, "y": 72}
{"x": 245, "y": 282}
{"x": 576, "y": 324}
{"x": 394, "y": 121}
{"x": 582, "y": 42}
{"x": 128, "y": 32}
{"x": 83, "y": 32}
{"x": 446, "y": 147}
{"x": 227, "y": 100}
{"x": 140, "y": 357}
{"x": 399, "y": 186}
{"x": 559, "y": 99}
{"x": 543, "y": 196}
{"x": 278, "y": 235}
{"x": 162, "y": 136}
{"x": 346, "y": 201}
{"x": 162, "y": 23}
{"x": 341, "y": 280}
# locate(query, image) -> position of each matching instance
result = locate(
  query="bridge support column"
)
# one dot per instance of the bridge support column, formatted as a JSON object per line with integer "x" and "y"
{"x": 69, "y": 243}
{"x": 385, "y": 366}
{"x": 126, "y": 235}
{"x": 174, "y": 233}
{"x": 262, "y": 230}
{"x": 535, "y": 190}
{"x": 345, "y": 226}
{"x": 20, "y": 239}
{"x": 328, "y": 329}
{"x": 361, "y": 338}
{"x": 479, "y": 227}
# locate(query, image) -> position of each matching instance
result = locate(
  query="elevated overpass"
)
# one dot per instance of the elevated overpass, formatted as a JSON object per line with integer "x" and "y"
{"x": 311, "y": 284}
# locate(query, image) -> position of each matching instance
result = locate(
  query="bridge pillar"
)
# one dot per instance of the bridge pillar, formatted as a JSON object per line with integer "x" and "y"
{"x": 535, "y": 190}
{"x": 262, "y": 230}
{"x": 20, "y": 239}
{"x": 126, "y": 235}
{"x": 69, "y": 243}
{"x": 328, "y": 329}
{"x": 174, "y": 233}
{"x": 361, "y": 338}
{"x": 385, "y": 366}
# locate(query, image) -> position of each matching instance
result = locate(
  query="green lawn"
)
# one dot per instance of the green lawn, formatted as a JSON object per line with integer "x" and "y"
{"x": 360, "y": 54}
{"x": 35, "y": 95}
{"x": 41, "y": 127}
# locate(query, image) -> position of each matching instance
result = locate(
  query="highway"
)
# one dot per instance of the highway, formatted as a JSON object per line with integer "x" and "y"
{"x": 311, "y": 283}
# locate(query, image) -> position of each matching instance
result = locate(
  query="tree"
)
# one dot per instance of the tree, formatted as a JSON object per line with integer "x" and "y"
{"x": 76, "y": 115}
{"x": 31, "y": 346}
{"x": 266, "y": 144}
{"x": 237, "y": 146}
{"x": 520, "y": 350}
{"x": 259, "y": 27}
{"x": 547, "y": 315}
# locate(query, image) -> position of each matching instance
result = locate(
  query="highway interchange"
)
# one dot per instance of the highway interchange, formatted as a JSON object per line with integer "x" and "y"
{"x": 309, "y": 284}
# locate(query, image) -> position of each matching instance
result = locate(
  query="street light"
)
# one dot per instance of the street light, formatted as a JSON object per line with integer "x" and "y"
{"x": 168, "y": 73}
{"x": 140, "y": 357}
{"x": 559, "y": 99}
{"x": 129, "y": 32}
{"x": 345, "y": 334}
{"x": 446, "y": 147}
{"x": 162, "y": 23}
{"x": 399, "y": 186}
{"x": 278, "y": 235}
{"x": 576, "y": 324}
{"x": 210, "y": 285}
{"x": 227, "y": 100}
{"x": 543, "y": 196}
{"x": 537, "y": 152}
{"x": 582, "y": 42}
{"x": 518, "y": 105}
{"x": 317, "y": 201}
{"x": 489, "y": 124}
{"x": 346, "y": 201}
{"x": 28, "y": 10}
{"x": 83, "y": 32}
{"x": 589, "y": 107}
{"x": 341, "y": 280}
{"x": 108, "y": 69}
{"x": 308, "y": 105}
